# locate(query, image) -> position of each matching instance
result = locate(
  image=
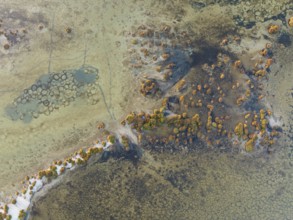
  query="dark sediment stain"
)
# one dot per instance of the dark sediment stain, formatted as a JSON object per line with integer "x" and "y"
{"x": 285, "y": 39}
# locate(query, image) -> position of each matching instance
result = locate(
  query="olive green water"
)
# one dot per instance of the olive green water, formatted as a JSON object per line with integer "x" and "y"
{"x": 66, "y": 35}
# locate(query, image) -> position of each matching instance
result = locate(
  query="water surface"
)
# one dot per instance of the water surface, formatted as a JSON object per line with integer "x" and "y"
{"x": 67, "y": 37}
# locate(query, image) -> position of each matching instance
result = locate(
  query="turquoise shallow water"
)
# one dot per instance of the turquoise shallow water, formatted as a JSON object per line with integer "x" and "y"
{"x": 195, "y": 182}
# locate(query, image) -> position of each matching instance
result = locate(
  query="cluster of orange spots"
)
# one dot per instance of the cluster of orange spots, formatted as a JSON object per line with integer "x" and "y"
{"x": 290, "y": 22}
{"x": 273, "y": 29}
{"x": 260, "y": 97}
{"x": 229, "y": 39}
{"x": 237, "y": 63}
{"x": 165, "y": 56}
{"x": 261, "y": 66}
{"x": 158, "y": 68}
{"x": 224, "y": 42}
{"x": 254, "y": 127}
{"x": 263, "y": 52}
{"x": 180, "y": 85}
{"x": 240, "y": 100}
{"x": 181, "y": 99}
{"x": 260, "y": 72}
{"x": 236, "y": 85}
{"x": 149, "y": 87}
{"x": 101, "y": 125}
{"x": 170, "y": 65}
{"x": 268, "y": 63}
{"x": 216, "y": 124}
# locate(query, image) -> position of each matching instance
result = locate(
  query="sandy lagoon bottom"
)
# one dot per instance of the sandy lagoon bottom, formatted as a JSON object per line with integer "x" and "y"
{"x": 199, "y": 185}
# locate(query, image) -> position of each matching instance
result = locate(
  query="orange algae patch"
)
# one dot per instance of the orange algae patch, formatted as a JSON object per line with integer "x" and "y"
{"x": 273, "y": 28}
{"x": 290, "y": 22}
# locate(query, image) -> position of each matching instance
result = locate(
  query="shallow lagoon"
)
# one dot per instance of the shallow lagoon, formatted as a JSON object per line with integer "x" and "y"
{"x": 206, "y": 185}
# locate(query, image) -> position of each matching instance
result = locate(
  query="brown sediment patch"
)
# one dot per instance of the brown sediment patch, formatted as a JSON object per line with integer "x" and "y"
{"x": 218, "y": 96}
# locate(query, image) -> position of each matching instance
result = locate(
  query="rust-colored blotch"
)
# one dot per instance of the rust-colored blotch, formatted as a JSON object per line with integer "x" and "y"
{"x": 290, "y": 22}
{"x": 272, "y": 29}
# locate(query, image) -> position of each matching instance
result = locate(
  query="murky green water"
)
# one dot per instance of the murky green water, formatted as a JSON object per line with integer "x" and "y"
{"x": 73, "y": 64}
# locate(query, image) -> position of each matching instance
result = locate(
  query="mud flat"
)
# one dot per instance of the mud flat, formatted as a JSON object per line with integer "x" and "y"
{"x": 38, "y": 41}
